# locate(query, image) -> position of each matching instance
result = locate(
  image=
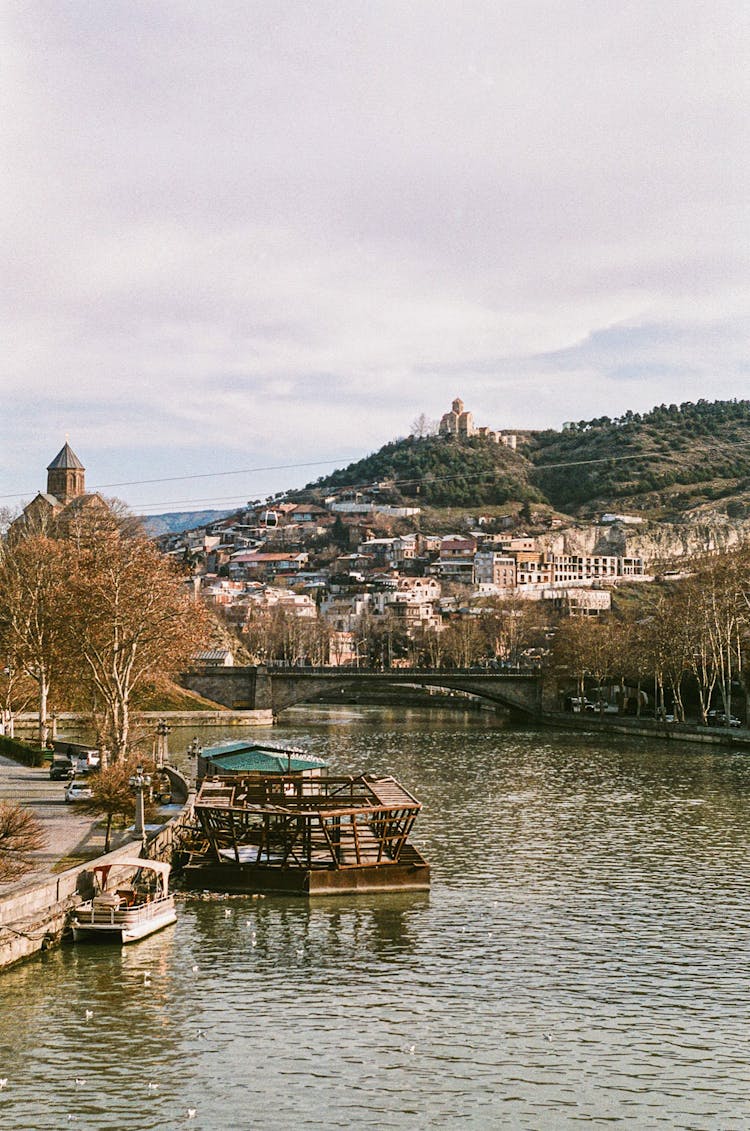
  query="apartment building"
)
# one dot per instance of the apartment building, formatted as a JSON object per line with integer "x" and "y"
{"x": 584, "y": 567}
{"x": 496, "y": 569}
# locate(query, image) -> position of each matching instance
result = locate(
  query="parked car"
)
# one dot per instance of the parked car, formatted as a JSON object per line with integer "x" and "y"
{"x": 722, "y": 720}
{"x": 87, "y": 761}
{"x": 79, "y": 791}
{"x": 602, "y": 707}
{"x": 61, "y": 769}
{"x": 577, "y": 704}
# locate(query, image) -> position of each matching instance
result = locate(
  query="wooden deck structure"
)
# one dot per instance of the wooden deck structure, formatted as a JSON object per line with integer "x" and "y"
{"x": 305, "y": 835}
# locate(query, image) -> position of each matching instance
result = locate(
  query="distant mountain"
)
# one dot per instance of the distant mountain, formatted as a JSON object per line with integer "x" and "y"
{"x": 156, "y": 524}
{"x": 667, "y": 463}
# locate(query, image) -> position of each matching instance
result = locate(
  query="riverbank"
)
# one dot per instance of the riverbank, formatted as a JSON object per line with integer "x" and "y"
{"x": 647, "y": 728}
{"x": 28, "y": 722}
{"x": 34, "y": 910}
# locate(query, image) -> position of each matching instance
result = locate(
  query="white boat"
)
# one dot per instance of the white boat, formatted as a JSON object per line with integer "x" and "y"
{"x": 126, "y": 912}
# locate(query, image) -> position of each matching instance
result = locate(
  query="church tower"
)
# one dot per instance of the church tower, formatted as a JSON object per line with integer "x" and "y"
{"x": 66, "y": 476}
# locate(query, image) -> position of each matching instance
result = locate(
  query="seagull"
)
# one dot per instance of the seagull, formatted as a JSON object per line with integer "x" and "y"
{"x": 3, "y": 1082}
{"x": 547, "y": 1036}
{"x": 195, "y": 969}
{"x": 80, "y": 1081}
{"x": 152, "y": 1087}
{"x": 227, "y": 912}
{"x": 191, "y": 1113}
{"x": 89, "y": 1014}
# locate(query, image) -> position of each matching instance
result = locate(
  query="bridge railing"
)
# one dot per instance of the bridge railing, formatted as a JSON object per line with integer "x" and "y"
{"x": 360, "y": 669}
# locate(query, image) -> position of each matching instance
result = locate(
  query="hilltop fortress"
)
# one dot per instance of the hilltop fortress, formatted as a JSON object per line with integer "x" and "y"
{"x": 460, "y": 423}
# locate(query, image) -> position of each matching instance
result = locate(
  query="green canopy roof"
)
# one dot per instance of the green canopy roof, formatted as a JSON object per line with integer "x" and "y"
{"x": 252, "y": 757}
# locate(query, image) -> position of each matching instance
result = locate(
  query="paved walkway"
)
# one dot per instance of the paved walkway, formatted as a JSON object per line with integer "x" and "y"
{"x": 69, "y": 832}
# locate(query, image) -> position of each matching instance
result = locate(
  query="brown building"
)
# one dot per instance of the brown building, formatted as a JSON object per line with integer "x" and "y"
{"x": 66, "y": 493}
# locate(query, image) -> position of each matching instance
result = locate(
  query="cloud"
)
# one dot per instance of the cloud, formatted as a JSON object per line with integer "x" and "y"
{"x": 237, "y": 230}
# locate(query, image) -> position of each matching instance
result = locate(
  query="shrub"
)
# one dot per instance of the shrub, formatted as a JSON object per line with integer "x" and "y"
{"x": 22, "y": 752}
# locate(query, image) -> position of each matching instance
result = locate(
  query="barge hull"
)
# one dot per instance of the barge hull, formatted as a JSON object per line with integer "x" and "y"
{"x": 253, "y": 879}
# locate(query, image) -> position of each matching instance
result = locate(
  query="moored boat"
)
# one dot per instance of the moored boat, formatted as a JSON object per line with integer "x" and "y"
{"x": 127, "y": 911}
{"x": 321, "y": 835}
{"x": 234, "y": 758}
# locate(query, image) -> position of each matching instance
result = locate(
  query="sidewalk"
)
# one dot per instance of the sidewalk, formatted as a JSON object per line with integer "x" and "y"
{"x": 69, "y": 832}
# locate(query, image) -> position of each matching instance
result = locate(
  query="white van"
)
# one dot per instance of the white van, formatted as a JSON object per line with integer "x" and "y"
{"x": 84, "y": 761}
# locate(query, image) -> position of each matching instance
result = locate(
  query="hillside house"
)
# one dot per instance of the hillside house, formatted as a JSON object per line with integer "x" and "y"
{"x": 494, "y": 569}
{"x": 256, "y": 564}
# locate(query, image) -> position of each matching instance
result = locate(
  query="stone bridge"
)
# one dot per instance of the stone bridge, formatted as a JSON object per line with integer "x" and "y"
{"x": 276, "y": 688}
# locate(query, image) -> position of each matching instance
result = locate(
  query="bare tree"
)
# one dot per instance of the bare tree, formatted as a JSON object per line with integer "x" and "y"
{"x": 130, "y": 620}
{"x": 464, "y": 641}
{"x": 724, "y": 586}
{"x": 422, "y": 426}
{"x": 572, "y": 650}
{"x": 112, "y": 796}
{"x": 20, "y": 835}
{"x": 7, "y": 516}
{"x": 32, "y": 613}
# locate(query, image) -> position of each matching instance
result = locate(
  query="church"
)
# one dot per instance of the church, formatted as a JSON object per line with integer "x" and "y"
{"x": 65, "y": 495}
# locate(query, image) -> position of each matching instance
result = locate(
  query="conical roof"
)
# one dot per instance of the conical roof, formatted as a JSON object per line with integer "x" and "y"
{"x": 66, "y": 460}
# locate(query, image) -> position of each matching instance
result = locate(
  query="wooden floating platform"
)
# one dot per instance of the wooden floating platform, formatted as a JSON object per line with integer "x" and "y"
{"x": 304, "y": 836}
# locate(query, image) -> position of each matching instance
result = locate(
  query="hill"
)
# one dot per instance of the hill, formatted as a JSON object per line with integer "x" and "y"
{"x": 666, "y": 463}
{"x": 440, "y": 472}
{"x": 672, "y": 459}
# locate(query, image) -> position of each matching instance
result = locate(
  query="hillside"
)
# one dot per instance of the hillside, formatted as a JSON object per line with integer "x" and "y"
{"x": 439, "y": 472}
{"x": 670, "y": 462}
{"x": 672, "y": 459}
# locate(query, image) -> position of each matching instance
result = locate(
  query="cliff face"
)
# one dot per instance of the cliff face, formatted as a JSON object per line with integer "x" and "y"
{"x": 654, "y": 542}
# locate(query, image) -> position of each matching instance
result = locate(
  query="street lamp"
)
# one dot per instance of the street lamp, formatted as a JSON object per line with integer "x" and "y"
{"x": 162, "y": 749}
{"x": 194, "y": 747}
{"x": 138, "y": 783}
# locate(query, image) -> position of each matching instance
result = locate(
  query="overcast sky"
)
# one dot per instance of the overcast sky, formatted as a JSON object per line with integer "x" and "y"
{"x": 248, "y": 235}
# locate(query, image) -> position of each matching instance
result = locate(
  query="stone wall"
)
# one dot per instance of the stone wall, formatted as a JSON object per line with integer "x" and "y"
{"x": 33, "y": 915}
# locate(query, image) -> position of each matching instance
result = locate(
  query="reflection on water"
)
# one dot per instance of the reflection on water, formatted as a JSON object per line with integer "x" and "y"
{"x": 583, "y": 958}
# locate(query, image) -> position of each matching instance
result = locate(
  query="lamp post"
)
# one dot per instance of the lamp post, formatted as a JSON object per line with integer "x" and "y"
{"x": 195, "y": 750}
{"x": 162, "y": 748}
{"x": 138, "y": 783}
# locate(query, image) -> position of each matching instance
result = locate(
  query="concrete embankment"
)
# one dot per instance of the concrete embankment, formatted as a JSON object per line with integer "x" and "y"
{"x": 34, "y": 913}
{"x": 33, "y": 916}
{"x": 644, "y": 728}
{"x": 28, "y": 722}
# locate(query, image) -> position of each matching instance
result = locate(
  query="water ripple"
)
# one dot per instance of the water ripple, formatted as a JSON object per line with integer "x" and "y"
{"x": 582, "y": 960}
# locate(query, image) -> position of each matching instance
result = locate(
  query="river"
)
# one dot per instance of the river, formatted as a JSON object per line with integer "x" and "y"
{"x": 583, "y": 958}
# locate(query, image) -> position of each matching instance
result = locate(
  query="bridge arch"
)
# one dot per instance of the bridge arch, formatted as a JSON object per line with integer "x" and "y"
{"x": 279, "y": 688}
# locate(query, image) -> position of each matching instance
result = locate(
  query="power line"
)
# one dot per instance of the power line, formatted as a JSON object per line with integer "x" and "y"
{"x": 217, "y": 474}
{"x": 201, "y": 475}
{"x": 425, "y": 479}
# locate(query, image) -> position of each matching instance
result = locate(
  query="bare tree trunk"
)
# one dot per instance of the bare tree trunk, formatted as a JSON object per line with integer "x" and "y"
{"x": 43, "y": 695}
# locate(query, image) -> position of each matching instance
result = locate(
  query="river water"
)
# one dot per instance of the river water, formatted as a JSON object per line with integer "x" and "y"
{"x": 583, "y": 958}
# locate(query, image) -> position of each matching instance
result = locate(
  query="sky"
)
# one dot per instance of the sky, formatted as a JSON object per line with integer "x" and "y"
{"x": 249, "y": 242}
